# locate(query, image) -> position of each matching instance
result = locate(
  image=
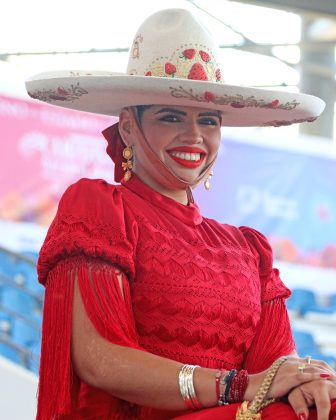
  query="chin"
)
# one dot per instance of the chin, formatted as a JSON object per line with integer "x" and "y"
{"x": 188, "y": 178}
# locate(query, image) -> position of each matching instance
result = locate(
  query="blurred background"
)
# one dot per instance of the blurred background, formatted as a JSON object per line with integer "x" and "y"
{"x": 280, "y": 181}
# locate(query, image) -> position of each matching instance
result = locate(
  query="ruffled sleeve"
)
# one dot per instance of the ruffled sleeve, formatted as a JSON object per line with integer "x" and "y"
{"x": 90, "y": 221}
{"x": 271, "y": 285}
{"x": 90, "y": 241}
{"x": 273, "y": 337}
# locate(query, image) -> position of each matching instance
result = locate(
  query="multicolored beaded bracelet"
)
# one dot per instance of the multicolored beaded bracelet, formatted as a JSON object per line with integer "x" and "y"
{"x": 238, "y": 387}
{"x": 224, "y": 396}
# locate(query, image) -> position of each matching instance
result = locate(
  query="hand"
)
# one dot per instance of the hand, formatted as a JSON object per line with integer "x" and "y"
{"x": 289, "y": 377}
{"x": 318, "y": 393}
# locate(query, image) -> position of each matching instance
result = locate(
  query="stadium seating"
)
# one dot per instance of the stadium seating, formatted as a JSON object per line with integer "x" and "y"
{"x": 303, "y": 301}
{"x": 21, "y": 300}
{"x": 306, "y": 345}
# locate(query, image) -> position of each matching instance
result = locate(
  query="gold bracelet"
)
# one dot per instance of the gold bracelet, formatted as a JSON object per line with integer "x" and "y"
{"x": 250, "y": 412}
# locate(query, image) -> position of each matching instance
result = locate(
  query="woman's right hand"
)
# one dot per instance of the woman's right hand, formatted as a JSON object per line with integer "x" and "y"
{"x": 289, "y": 377}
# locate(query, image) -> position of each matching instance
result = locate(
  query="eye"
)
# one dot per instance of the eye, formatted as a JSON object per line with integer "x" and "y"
{"x": 209, "y": 121}
{"x": 170, "y": 118}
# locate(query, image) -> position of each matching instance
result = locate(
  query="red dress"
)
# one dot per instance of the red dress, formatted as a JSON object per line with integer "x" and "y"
{"x": 196, "y": 291}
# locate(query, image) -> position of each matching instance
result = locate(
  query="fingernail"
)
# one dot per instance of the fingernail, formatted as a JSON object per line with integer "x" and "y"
{"x": 302, "y": 416}
{"x": 325, "y": 375}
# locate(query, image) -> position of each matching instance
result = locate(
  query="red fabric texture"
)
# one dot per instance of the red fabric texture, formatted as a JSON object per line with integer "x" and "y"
{"x": 276, "y": 411}
{"x": 114, "y": 149}
{"x": 196, "y": 291}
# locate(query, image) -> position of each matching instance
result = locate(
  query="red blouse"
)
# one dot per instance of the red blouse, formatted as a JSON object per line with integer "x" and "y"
{"x": 198, "y": 292}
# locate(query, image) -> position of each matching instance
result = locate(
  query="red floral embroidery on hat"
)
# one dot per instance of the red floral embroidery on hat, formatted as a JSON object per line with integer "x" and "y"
{"x": 197, "y": 72}
{"x": 209, "y": 96}
{"x": 149, "y": 73}
{"x": 170, "y": 68}
{"x": 236, "y": 101}
{"x": 218, "y": 75}
{"x": 190, "y": 53}
{"x": 70, "y": 93}
{"x": 277, "y": 123}
{"x": 205, "y": 56}
{"x": 273, "y": 104}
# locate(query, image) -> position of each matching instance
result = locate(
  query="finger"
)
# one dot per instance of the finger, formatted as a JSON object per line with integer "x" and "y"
{"x": 312, "y": 375}
{"x": 322, "y": 364}
{"x": 320, "y": 368}
{"x": 299, "y": 404}
{"x": 322, "y": 402}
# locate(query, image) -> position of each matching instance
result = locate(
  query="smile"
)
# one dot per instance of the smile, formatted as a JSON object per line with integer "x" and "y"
{"x": 187, "y": 157}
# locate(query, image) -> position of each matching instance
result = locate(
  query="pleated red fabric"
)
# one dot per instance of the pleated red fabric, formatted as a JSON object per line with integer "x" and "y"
{"x": 195, "y": 291}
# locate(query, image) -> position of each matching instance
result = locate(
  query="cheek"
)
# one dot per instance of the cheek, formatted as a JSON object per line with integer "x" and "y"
{"x": 214, "y": 143}
{"x": 158, "y": 138}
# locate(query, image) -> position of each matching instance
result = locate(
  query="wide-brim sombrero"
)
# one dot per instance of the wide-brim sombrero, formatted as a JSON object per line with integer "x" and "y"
{"x": 173, "y": 62}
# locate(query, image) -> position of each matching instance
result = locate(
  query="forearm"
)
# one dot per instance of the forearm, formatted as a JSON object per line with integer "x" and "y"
{"x": 128, "y": 373}
{"x": 141, "y": 377}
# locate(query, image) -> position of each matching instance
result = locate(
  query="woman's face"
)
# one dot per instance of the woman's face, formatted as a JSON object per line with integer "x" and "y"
{"x": 186, "y": 139}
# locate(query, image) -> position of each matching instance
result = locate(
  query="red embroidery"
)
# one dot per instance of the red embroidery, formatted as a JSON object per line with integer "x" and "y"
{"x": 190, "y": 53}
{"x": 205, "y": 56}
{"x": 209, "y": 96}
{"x": 197, "y": 72}
{"x": 170, "y": 68}
{"x": 218, "y": 75}
{"x": 273, "y": 104}
{"x": 149, "y": 73}
{"x": 70, "y": 93}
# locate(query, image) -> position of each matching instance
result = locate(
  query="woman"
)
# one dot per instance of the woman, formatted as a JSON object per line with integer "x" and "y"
{"x": 151, "y": 310}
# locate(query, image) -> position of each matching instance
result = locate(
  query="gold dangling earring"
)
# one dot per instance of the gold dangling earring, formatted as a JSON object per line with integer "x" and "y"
{"x": 207, "y": 181}
{"x": 127, "y": 166}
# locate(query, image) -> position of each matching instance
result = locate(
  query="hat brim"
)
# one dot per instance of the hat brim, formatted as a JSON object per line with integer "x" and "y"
{"x": 107, "y": 93}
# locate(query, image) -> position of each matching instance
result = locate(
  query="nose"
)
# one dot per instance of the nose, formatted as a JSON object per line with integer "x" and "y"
{"x": 192, "y": 133}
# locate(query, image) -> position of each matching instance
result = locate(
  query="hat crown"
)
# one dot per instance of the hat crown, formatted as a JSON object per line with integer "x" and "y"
{"x": 173, "y": 44}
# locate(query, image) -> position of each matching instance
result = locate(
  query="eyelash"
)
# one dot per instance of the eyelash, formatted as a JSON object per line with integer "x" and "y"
{"x": 176, "y": 119}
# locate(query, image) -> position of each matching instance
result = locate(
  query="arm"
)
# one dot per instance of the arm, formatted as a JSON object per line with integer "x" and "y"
{"x": 131, "y": 374}
{"x": 273, "y": 337}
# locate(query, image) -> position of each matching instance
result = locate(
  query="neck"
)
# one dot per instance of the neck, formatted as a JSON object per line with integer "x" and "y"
{"x": 179, "y": 195}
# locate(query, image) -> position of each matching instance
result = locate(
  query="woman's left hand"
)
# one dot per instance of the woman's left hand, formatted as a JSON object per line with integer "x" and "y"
{"x": 317, "y": 393}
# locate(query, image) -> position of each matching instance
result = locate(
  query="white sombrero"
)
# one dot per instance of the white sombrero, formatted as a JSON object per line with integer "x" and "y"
{"x": 173, "y": 62}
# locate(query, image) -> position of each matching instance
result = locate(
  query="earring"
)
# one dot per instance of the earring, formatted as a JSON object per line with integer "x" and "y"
{"x": 207, "y": 181}
{"x": 127, "y": 166}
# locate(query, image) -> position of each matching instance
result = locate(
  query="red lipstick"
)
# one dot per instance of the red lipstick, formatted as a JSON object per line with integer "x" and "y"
{"x": 184, "y": 162}
{"x": 187, "y": 149}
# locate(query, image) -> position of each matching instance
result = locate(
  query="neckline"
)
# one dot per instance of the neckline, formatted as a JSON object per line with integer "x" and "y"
{"x": 189, "y": 214}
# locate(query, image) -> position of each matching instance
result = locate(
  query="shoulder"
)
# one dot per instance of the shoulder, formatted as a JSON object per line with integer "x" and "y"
{"x": 260, "y": 247}
{"x": 87, "y": 189}
{"x": 90, "y": 221}
{"x": 90, "y": 196}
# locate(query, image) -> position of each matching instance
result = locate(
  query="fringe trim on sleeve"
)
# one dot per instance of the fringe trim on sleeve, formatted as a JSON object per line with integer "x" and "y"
{"x": 109, "y": 311}
{"x": 273, "y": 338}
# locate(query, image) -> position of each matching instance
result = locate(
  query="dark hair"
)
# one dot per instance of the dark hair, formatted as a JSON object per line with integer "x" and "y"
{"x": 140, "y": 109}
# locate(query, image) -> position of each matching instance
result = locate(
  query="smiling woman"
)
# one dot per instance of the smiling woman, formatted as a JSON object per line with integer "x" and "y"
{"x": 183, "y": 141}
{"x": 151, "y": 310}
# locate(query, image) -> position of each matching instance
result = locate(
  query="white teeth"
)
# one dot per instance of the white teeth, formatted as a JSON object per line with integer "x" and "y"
{"x": 187, "y": 156}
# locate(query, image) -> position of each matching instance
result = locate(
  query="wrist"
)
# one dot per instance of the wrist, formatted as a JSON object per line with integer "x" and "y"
{"x": 205, "y": 384}
{"x": 253, "y": 386}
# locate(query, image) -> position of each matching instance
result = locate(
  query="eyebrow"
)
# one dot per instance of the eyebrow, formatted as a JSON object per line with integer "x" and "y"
{"x": 202, "y": 114}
